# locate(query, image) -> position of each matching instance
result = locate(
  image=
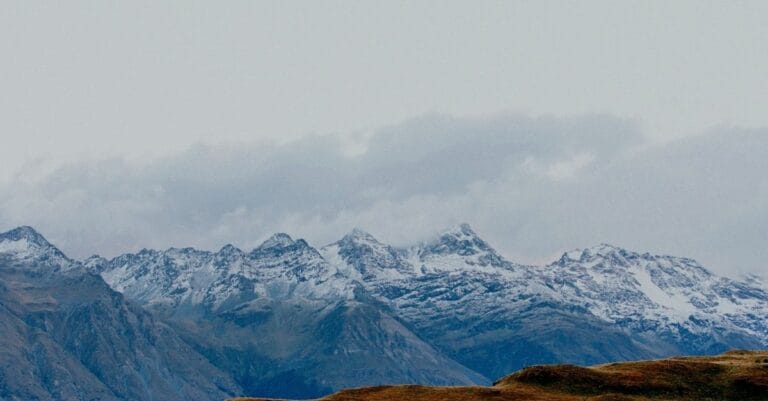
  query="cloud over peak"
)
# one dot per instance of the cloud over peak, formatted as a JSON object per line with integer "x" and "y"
{"x": 534, "y": 186}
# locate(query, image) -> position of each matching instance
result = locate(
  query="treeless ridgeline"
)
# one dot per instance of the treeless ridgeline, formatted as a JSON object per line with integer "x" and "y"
{"x": 734, "y": 375}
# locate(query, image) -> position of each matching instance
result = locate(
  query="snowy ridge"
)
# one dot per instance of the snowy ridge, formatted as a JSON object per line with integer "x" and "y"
{"x": 459, "y": 274}
{"x": 633, "y": 289}
{"x": 463, "y": 246}
{"x": 455, "y": 277}
{"x": 24, "y": 245}
{"x": 278, "y": 269}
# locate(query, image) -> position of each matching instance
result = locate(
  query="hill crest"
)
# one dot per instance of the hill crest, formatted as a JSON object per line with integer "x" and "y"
{"x": 734, "y": 375}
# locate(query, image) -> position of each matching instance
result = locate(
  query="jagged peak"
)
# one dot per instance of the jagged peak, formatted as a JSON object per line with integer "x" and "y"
{"x": 95, "y": 258}
{"x": 229, "y": 249}
{"x": 460, "y": 233}
{"x": 369, "y": 257}
{"x": 94, "y": 263}
{"x": 358, "y": 235}
{"x": 25, "y": 232}
{"x": 622, "y": 256}
{"x": 601, "y": 250}
{"x": 460, "y": 230}
{"x": 461, "y": 240}
{"x": 146, "y": 252}
{"x": 277, "y": 240}
{"x": 24, "y": 243}
{"x": 186, "y": 249}
{"x": 604, "y": 249}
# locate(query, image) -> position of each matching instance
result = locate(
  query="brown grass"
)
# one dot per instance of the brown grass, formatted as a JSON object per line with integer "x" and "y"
{"x": 734, "y": 375}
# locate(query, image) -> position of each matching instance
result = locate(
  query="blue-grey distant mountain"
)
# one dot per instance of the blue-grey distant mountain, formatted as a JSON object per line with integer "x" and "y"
{"x": 288, "y": 320}
{"x": 593, "y": 305}
{"x": 285, "y": 322}
{"x": 65, "y": 335}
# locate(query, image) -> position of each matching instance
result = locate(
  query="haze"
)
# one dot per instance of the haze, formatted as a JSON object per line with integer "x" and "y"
{"x": 546, "y": 125}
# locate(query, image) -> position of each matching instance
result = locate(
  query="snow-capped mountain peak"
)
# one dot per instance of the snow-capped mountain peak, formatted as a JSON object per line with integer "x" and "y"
{"x": 229, "y": 252}
{"x": 360, "y": 255}
{"x": 667, "y": 292}
{"x": 281, "y": 244}
{"x": 359, "y": 235}
{"x": 597, "y": 254}
{"x": 463, "y": 243}
{"x": 229, "y": 249}
{"x": 94, "y": 263}
{"x": 358, "y": 238}
{"x": 24, "y": 244}
{"x": 277, "y": 240}
{"x": 461, "y": 240}
{"x": 24, "y": 233}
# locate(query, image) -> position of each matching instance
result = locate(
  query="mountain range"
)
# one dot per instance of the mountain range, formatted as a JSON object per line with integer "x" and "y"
{"x": 289, "y": 320}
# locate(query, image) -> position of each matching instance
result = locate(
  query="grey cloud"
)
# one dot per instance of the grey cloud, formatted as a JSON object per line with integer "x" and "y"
{"x": 533, "y": 186}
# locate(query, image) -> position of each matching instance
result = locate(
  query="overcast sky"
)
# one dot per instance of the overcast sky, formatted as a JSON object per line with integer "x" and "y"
{"x": 545, "y": 125}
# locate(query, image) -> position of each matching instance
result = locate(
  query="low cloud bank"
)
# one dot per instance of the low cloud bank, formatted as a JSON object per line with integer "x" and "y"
{"x": 532, "y": 186}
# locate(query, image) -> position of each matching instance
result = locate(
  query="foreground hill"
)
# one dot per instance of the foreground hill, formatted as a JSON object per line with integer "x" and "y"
{"x": 734, "y": 375}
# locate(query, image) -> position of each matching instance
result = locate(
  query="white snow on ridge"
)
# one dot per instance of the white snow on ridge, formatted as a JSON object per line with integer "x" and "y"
{"x": 22, "y": 247}
{"x": 457, "y": 273}
{"x": 679, "y": 307}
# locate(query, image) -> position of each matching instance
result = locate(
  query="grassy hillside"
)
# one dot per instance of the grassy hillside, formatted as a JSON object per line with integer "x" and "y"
{"x": 735, "y": 375}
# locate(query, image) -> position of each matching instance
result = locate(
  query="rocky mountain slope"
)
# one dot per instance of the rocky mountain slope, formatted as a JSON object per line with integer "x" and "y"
{"x": 593, "y": 305}
{"x": 284, "y": 318}
{"x": 65, "y": 335}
